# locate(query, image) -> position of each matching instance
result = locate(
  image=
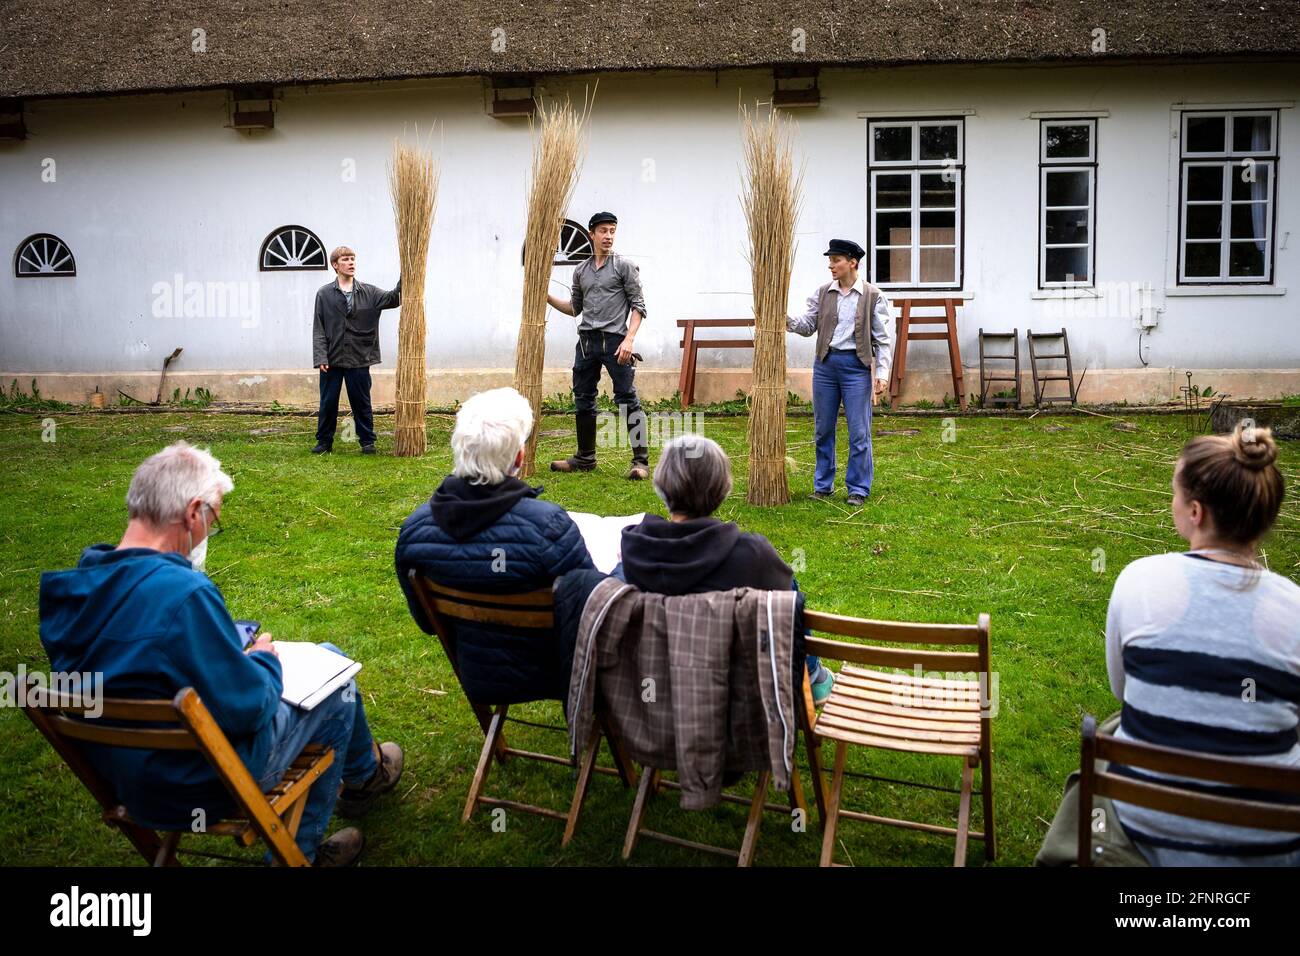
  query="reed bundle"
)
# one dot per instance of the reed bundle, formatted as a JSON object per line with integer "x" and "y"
{"x": 559, "y": 144}
{"x": 413, "y": 185}
{"x": 771, "y": 197}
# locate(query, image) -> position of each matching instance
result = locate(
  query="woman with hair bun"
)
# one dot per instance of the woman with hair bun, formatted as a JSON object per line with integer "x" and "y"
{"x": 1203, "y": 646}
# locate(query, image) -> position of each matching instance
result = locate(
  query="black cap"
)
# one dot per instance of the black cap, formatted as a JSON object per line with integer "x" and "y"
{"x": 847, "y": 248}
{"x": 600, "y": 217}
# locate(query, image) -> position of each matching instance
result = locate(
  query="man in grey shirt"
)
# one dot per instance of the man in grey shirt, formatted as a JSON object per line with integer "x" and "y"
{"x": 607, "y": 295}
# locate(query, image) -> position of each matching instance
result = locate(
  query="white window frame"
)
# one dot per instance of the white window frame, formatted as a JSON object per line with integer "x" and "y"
{"x": 916, "y": 168}
{"x": 1067, "y": 164}
{"x": 1230, "y": 161}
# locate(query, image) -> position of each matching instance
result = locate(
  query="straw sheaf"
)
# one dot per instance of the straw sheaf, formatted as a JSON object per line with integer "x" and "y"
{"x": 413, "y": 184}
{"x": 771, "y": 197}
{"x": 559, "y": 145}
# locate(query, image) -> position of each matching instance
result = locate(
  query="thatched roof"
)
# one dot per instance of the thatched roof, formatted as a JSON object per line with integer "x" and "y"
{"x": 71, "y": 47}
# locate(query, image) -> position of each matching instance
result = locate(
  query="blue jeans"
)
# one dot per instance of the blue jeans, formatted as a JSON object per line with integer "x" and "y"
{"x": 327, "y": 416}
{"x": 842, "y": 379}
{"x": 339, "y": 722}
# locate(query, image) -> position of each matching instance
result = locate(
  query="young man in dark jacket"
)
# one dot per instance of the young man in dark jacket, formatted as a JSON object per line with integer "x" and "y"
{"x": 485, "y": 530}
{"x": 345, "y": 343}
{"x": 147, "y": 620}
{"x": 691, "y": 552}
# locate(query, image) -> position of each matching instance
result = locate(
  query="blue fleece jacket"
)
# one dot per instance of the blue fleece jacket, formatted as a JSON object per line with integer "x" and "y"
{"x": 151, "y": 625}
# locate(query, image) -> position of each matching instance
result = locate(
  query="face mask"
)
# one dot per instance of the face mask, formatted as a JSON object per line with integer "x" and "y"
{"x": 199, "y": 555}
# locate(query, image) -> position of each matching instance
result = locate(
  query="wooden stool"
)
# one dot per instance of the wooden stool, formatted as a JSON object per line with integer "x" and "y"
{"x": 691, "y": 346}
{"x": 905, "y": 334}
{"x": 987, "y": 377}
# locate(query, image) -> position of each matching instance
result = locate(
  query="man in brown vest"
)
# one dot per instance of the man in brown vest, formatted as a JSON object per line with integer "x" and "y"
{"x": 849, "y": 345}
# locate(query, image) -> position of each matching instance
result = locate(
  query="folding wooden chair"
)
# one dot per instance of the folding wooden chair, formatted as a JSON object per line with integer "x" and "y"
{"x": 652, "y": 782}
{"x": 1175, "y": 796}
{"x": 533, "y": 610}
{"x": 908, "y": 712}
{"x": 182, "y": 723}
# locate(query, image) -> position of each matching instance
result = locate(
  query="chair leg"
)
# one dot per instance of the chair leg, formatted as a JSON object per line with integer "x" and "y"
{"x": 833, "y": 807}
{"x": 622, "y": 762}
{"x": 584, "y": 780}
{"x": 166, "y": 855}
{"x": 798, "y": 799}
{"x": 294, "y": 817}
{"x": 755, "y": 820}
{"x": 986, "y": 786}
{"x": 284, "y": 848}
{"x": 490, "y": 747}
{"x": 813, "y": 744}
{"x": 145, "y": 841}
{"x": 644, "y": 790}
{"x": 963, "y": 812}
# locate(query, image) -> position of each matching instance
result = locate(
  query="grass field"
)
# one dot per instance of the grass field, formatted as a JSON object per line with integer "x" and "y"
{"x": 1028, "y": 520}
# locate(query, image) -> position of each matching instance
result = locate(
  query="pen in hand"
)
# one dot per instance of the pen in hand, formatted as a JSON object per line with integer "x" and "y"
{"x": 263, "y": 644}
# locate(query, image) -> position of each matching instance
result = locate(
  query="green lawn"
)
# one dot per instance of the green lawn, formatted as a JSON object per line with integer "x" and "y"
{"x": 1005, "y": 519}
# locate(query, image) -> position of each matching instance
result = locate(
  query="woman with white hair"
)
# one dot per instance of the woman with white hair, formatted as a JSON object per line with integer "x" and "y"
{"x": 486, "y": 530}
{"x": 691, "y": 551}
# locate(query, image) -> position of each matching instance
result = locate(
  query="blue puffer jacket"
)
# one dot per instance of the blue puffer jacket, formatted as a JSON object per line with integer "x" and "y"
{"x": 499, "y": 539}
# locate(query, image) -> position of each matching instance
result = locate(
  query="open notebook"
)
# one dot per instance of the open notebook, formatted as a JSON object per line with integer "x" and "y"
{"x": 604, "y": 536}
{"x": 312, "y": 672}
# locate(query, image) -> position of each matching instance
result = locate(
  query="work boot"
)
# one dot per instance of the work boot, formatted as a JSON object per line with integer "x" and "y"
{"x": 585, "y": 459}
{"x": 342, "y": 849}
{"x": 640, "y": 469}
{"x": 322, "y": 448}
{"x": 636, "y": 437}
{"x": 355, "y": 801}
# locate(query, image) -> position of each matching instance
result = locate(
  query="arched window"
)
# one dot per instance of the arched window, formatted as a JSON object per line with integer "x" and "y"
{"x": 574, "y": 245}
{"x": 292, "y": 248}
{"x": 43, "y": 255}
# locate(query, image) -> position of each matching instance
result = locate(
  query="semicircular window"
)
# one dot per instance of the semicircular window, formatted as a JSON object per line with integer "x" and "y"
{"x": 574, "y": 245}
{"x": 43, "y": 255}
{"x": 292, "y": 248}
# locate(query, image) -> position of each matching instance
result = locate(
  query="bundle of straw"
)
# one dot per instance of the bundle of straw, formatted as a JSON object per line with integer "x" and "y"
{"x": 771, "y": 199}
{"x": 558, "y": 149}
{"x": 413, "y": 184}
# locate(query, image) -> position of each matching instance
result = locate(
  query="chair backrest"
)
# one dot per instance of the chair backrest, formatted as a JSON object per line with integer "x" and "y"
{"x": 182, "y": 723}
{"x": 529, "y": 609}
{"x": 912, "y": 636}
{"x": 912, "y": 654}
{"x": 1176, "y": 797}
{"x": 442, "y": 605}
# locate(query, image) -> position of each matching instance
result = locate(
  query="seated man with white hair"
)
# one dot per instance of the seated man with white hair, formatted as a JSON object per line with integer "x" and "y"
{"x": 145, "y": 616}
{"x": 485, "y": 530}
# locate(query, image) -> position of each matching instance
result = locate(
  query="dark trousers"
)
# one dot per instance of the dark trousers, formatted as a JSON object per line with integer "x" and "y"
{"x": 596, "y": 350}
{"x": 331, "y": 384}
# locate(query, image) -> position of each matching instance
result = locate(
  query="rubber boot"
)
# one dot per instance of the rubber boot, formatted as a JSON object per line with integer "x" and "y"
{"x": 585, "y": 459}
{"x": 640, "y": 469}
